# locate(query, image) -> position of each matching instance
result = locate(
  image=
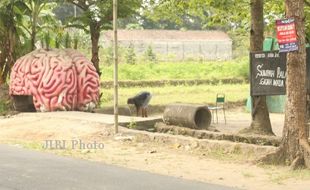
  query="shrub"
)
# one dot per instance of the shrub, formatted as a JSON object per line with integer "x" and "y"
{"x": 108, "y": 55}
{"x": 150, "y": 55}
{"x": 130, "y": 55}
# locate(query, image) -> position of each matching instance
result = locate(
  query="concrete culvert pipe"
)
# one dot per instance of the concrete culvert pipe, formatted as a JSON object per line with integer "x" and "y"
{"x": 188, "y": 115}
{"x": 122, "y": 110}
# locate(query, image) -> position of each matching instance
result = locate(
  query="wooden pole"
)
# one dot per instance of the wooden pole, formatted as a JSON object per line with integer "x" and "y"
{"x": 115, "y": 66}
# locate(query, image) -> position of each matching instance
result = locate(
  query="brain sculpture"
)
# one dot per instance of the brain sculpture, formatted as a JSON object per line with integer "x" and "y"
{"x": 57, "y": 80}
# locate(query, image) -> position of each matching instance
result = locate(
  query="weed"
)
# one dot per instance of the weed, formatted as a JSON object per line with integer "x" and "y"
{"x": 130, "y": 55}
{"x": 4, "y": 107}
{"x": 149, "y": 55}
{"x": 247, "y": 174}
{"x": 132, "y": 124}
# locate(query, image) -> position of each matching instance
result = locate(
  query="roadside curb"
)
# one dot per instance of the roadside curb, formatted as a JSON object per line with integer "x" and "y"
{"x": 191, "y": 143}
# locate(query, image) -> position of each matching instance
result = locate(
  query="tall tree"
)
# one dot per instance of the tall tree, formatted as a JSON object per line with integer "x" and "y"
{"x": 9, "y": 43}
{"x": 18, "y": 29}
{"x": 294, "y": 148}
{"x": 97, "y": 16}
{"x": 211, "y": 14}
{"x": 260, "y": 115}
{"x": 214, "y": 13}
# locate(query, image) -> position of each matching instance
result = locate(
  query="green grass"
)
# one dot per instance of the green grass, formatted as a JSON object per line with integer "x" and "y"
{"x": 248, "y": 174}
{"x": 202, "y": 94}
{"x": 237, "y": 68}
{"x": 185, "y": 94}
{"x": 279, "y": 174}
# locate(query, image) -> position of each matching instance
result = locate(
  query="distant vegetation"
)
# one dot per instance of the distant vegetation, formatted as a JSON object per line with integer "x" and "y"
{"x": 238, "y": 68}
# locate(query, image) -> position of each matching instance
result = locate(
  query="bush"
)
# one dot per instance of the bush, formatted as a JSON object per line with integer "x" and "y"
{"x": 130, "y": 55}
{"x": 150, "y": 55}
{"x": 5, "y": 101}
{"x": 5, "y": 106}
{"x": 108, "y": 55}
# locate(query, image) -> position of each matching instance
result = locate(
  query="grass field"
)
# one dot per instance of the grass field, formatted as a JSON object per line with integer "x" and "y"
{"x": 186, "y": 94}
{"x": 237, "y": 68}
{"x": 205, "y": 94}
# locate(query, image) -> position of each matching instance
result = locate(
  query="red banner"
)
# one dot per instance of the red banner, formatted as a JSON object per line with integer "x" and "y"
{"x": 286, "y": 34}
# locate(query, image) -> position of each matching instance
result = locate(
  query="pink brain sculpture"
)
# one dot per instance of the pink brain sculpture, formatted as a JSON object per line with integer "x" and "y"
{"x": 57, "y": 80}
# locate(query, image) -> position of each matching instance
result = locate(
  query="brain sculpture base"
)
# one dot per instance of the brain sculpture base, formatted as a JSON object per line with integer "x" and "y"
{"x": 56, "y": 80}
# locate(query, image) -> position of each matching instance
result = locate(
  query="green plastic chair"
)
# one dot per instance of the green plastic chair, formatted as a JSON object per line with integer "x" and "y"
{"x": 219, "y": 105}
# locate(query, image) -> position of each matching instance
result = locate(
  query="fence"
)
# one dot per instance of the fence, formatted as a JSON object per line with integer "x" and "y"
{"x": 184, "y": 50}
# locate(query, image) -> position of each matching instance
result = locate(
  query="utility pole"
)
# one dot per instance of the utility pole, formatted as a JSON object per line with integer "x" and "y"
{"x": 115, "y": 66}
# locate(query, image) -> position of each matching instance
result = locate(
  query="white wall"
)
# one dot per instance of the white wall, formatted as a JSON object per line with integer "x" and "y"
{"x": 167, "y": 50}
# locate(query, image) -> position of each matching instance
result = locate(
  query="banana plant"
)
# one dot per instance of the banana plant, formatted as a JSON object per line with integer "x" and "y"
{"x": 21, "y": 21}
{"x": 11, "y": 43}
{"x": 38, "y": 19}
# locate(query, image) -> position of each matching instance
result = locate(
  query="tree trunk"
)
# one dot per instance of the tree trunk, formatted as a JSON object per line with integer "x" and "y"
{"x": 95, "y": 35}
{"x": 294, "y": 148}
{"x": 8, "y": 44}
{"x": 7, "y": 58}
{"x": 10, "y": 48}
{"x": 260, "y": 115}
{"x": 33, "y": 39}
{"x": 34, "y": 29}
{"x": 1, "y": 68}
{"x": 1, "y": 76}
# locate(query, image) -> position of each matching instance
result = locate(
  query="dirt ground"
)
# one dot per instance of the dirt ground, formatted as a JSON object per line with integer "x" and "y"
{"x": 238, "y": 119}
{"x": 31, "y": 131}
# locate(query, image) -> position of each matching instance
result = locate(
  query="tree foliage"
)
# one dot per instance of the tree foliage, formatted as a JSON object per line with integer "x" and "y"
{"x": 21, "y": 22}
{"x": 100, "y": 11}
{"x": 10, "y": 35}
{"x": 38, "y": 19}
{"x": 227, "y": 15}
{"x": 97, "y": 15}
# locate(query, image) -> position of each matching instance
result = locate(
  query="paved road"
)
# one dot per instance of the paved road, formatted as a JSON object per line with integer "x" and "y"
{"x": 23, "y": 169}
